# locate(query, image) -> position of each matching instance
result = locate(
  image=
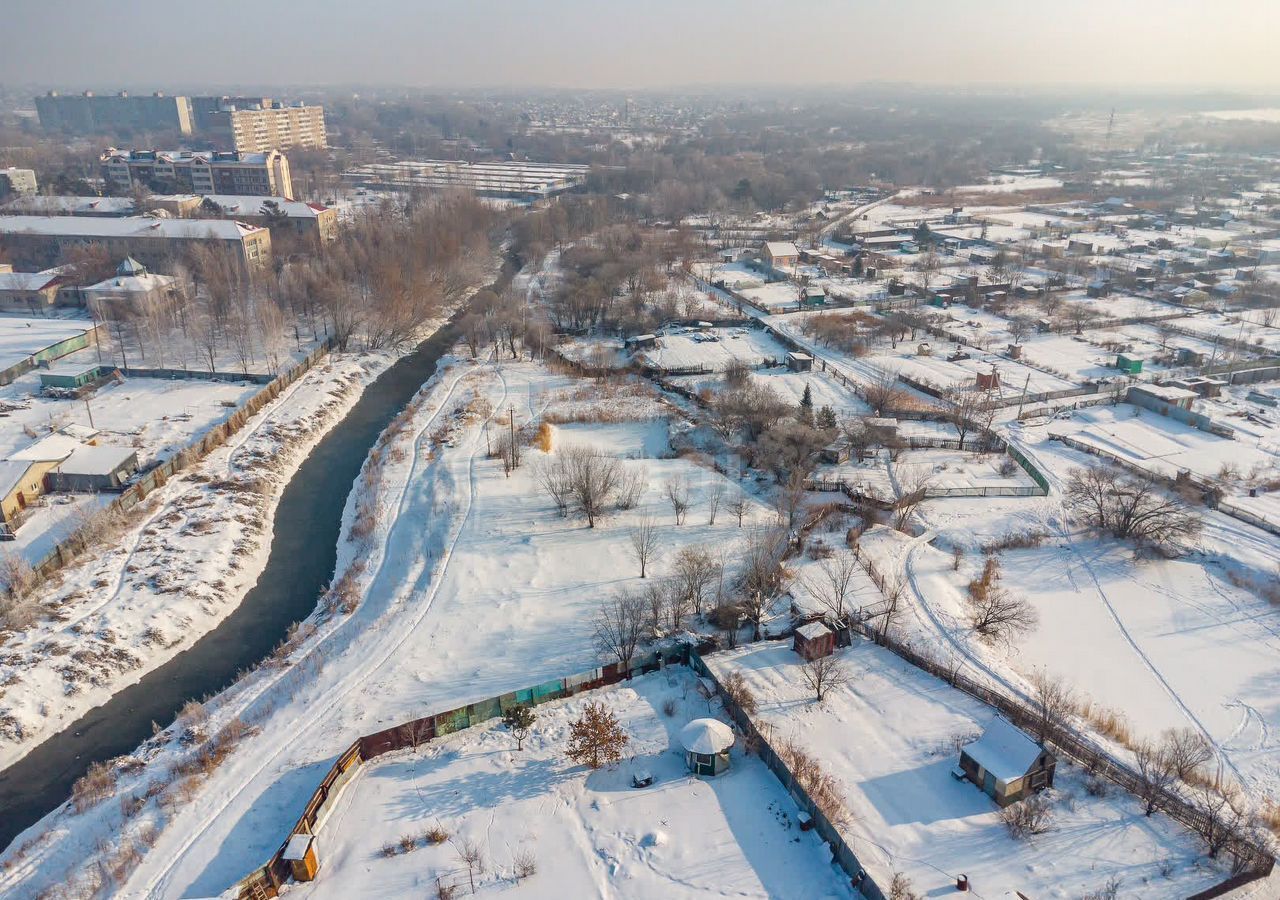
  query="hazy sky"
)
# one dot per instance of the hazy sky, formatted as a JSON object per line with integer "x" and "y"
{"x": 639, "y": 43}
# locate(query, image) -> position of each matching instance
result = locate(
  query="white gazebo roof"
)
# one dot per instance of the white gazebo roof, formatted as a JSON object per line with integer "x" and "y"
{"x": 706, "y": 736}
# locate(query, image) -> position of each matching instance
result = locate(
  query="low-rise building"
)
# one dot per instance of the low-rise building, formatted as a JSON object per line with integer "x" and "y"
{"x": 133, "y": 287}
{"x": 44, "y": 241}
{"x": 309, "y": 220}
{"x": 21, "y": 182}
{"x": 30, "y": 291}
{"x": 1006, "y": 765}
{"x": 89, "y": 468}
{"x": 780, "y": 255}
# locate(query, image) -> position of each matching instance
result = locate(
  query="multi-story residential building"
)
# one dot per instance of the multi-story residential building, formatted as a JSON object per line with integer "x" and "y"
{"x": 526, "y": 181}
{"x": 44, "y": 241}
{"x": 308, "y": 220}
{"x": 199, "y": 172}
{"x": 17, "y": 181}
{"x": 89, "y": 113}
{"x": 257, "y": 124}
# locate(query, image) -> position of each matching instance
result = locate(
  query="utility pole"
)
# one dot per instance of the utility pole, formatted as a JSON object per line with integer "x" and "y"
{"x": 1023, "y": 399}
{"x": 89, "y": 410}
{"x": 515, "y": 454}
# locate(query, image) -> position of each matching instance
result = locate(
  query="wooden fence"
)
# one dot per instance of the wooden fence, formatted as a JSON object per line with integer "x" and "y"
{"x": 1254, "y": 859}
{"x": 63, "y": 553}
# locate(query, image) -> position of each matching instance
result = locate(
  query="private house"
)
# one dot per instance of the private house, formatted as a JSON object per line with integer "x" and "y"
{"x": 640, "y": 342}
{"x": 21, "y": 482}
{"x": 814, "y": 641}
{"x": 812, "y": 296}
{"x": 1130, "y": 365}
{"x": 1005, "y": 764}
{"x": 706, "y": 745}
{"x": 89, "y": 469}
{"x": 781, "y": 256}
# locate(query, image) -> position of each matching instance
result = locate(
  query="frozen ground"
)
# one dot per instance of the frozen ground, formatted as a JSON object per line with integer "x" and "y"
{"x": 790, "y": 386}
{"x": 593, "y": 835}
{"x": 889, "y": 739}
{"x": 24, "y": 336}
{"x": 938, "y": 370}
{"x": 176, "y": 568}
{"x": 693, "y": 349}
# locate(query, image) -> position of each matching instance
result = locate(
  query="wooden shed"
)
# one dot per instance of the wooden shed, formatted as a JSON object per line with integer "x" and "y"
{"x": 814, "y": 640}
{"x": 300, "y": 854}
{"x": 799, "y": 362}
{"x": 1006, "y": 765}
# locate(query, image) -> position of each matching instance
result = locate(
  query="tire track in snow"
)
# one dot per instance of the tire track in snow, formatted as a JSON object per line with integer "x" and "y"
{"x": 326, "y": 706}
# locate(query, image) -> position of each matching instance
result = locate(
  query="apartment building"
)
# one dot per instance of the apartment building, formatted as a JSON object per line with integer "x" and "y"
{"x": 258, "y": 124}
{"x": 40, "y": 242}
{"x": 199, "y": 172}
{"x": 89, "y": 113}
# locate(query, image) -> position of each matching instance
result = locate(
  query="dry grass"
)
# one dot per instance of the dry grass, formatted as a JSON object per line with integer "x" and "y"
{"x": 542, "y": 439}
{"x": 94, "y": 786}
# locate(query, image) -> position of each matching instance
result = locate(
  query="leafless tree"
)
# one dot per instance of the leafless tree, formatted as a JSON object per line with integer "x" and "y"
{"x": 694, "y": 569}
{"x": 416, "y": 733}
{"x": 619, "y": 625}
{"x": 965, "y": 410}
{"x": 471, "y": 856}
{"x": 1156, "y": 772}
{"x": 644, "y": 543}
{"x": 1128, "y": 507}
{"x": 1225, "y": 817}
{"x": 762, "y": 577}
{"x": 739, "y": 506}
{"x": 824, "y": 674}
{"x": 1052, "y": 701}
{"x": 833, "y": 586}
{"x": 714, "y": 497}
{"x": 913, "y": 483}
{"x": 998, "y": 613}
{"x": 788, "y": 499}
{"x": 884, "y": 392}
{"x": 631, "y": 485}
{"x": 592, "y": 478}
{"x": 677, "y": 490}
{"x": 1188, "y": 751}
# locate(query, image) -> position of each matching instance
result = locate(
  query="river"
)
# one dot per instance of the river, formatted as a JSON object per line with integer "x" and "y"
{"x": 300, "y": 564}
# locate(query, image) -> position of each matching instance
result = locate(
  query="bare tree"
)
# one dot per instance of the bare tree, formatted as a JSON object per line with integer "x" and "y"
{"x": 1052, "y": 701}
{"x": 677, "y": 490}
{"x": 619, "y": 624}
{"x": 788, "y": 499}
{"x": 555, "y": 479}
{"x": 644, "y": 543}
{"x": 1156, "y": 772}
{"x": 1188, "y": 751}
{"x": 1128, "y": 507}
{"x": 824, "y": 674}
{"x": 965, "y": 408}
{"x": 471, "y": 856}
{"x": 593, "y": 480}
{"x": 695, "y": 569}
{"x": 631, "y": 486}
{"x": 833, "y": 587}
{"x": 416, "y": 733}
{"x": 762, "y": 577}
{"x": 1224, "y": 813}
{"x": 739, "y": 506}
{"x": 714, "y": 497}
{"x": 884, "y": 392}
{"x": 913, "y": 484}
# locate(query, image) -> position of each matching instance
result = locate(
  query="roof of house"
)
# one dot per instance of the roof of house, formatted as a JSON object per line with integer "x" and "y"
{"x": 11, "y": 472}
{"x": 144, "y": 283}
{"x": 297, "y": 846}
{"x": 781, "y": 248}
{"x": 47, "y": 449}
{"x": 1166, "y": 392}
{"x": 245, "y": 205}
{"x": 1004, "y": 751}
{"x": 27, "y": 281}
{"x": 813, "y": 631}
{"x": 706, "y": 736}
{"x": 101, "y": 460}
{"x": 43, "y": 205}
{"x": 129, "y": 226}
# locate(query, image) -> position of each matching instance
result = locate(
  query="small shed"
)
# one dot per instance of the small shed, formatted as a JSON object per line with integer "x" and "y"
{"x": 1131, "y": 365}
{"x": 300, "y": 853}
{"x": 812, "y": 295}
{"x": 1006, "y": 765}
{"x": 88, "y": 468}
{"x": 70, "y": 376}
{"x": 924, "y": 348}
{"x": 706, "y": 745}
{"x": 799, "y": 362}
{"x": 988, "y": 381}
{"x": 640, "y": 342}
{"x": 814, "y": 641}
{"x": 1014, "y": 351}
{"x": 838, "y": 451}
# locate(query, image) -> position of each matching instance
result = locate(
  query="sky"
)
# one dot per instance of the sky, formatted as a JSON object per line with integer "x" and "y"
{"x": 1117, "y": 44}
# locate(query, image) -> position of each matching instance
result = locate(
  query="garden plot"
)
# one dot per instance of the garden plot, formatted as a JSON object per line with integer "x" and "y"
{"x": 1164, "y": 446}
{"x": 712, "y": 350}
{"x": 790, "y": 386}
{"x": 776, "y": 297}
{"x": 889, "y": 739}
{"x": 737, "y": 276}
{"x": 591, "y": 833}
{"x": 1074, "y": 355}
{"x": 939, "y": 371}
{"x": 1234, "y": 327}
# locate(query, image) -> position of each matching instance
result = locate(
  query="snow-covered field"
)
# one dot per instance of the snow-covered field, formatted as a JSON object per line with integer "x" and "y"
{"x": 889, "y": 739}
{"x": 713, "y": 350}
{"x": 24, "y": 336}
{"x": 592, "y": 833}
{"x": 939, "y": 371}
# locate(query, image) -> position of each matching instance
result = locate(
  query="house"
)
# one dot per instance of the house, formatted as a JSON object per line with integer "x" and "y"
{"x": 780, "y": 255}
{"x": 799, "y": 362}
{"x": 1202, "y": 385}
{"x": 89, "y": 469}
{"x": 706, "y": 745}
{"x": 814, "y": 641}
{"x": 21, "y": 482}
{"x": 1006, "y": 765}
{"x": 133, "y": 288}
{"x": 811, "y": 296}
{"x": 1160, "y": 397}
{"x": 30, "y": 291}
{"x": 837, "y": 452}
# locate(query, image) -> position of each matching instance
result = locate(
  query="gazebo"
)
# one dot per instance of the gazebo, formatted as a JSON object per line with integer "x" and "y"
{"x": 706, "y": 746}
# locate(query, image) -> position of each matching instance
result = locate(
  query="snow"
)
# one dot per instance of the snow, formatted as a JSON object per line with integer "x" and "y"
{"x": 23, "y": 336}
{"x": 706, "y": 736}
{"x": 1004, "y": 751}
{"x": 889, "y": 739}
{"x": 592, "y": 833}
{"x": 693, "y": 349}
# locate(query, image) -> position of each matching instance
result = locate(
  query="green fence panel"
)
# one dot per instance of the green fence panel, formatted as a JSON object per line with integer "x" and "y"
{"x": 485, "y": 709}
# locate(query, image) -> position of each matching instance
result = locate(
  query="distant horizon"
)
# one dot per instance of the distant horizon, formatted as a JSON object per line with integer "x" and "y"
{"x": 668, "y": 45}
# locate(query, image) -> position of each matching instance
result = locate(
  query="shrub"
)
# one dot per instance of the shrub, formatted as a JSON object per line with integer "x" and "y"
{"x": 526, "y": 863}
{"x": 1031, "y": 816}
{"x": 435, "y": 835}
{"x": 94, "y": 786}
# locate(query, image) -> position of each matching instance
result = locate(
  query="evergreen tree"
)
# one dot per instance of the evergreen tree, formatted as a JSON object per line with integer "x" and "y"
{"x": 596, "y": 739}
{"x": 518, "y": 719}
{"x": 806, "y": 405}
{"x": 827, "y": 418}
